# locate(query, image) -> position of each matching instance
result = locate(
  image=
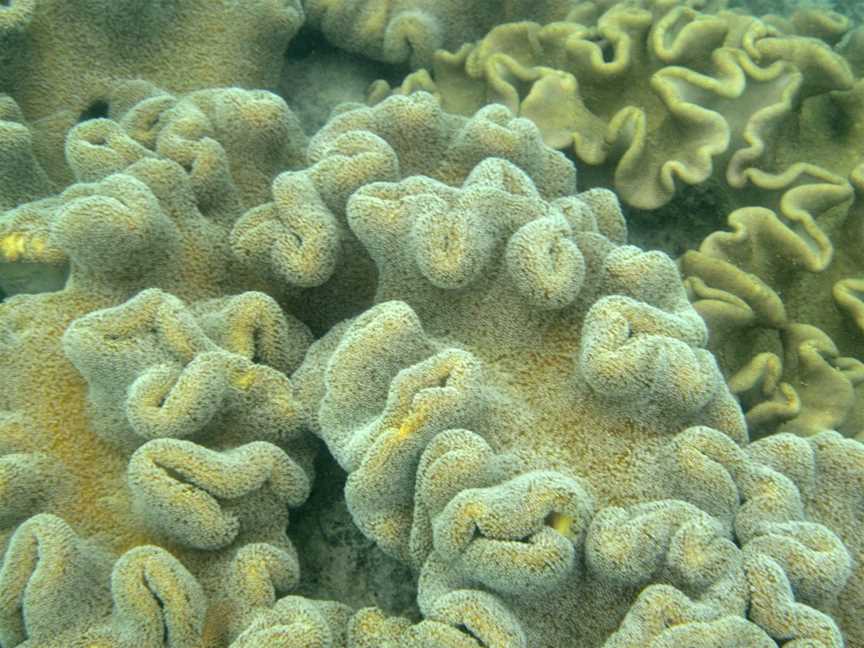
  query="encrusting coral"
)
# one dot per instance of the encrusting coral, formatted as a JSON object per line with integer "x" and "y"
{"x": 62, "y": 56}
{"x": 781, "y": 290}
{"x": 60, "y": 61}
{"x": 794, "y": 361}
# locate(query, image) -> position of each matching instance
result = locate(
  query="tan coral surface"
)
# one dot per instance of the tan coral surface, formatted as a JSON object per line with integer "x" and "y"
{"x": 539, "y": 434}
{"x": 517, "y": 413}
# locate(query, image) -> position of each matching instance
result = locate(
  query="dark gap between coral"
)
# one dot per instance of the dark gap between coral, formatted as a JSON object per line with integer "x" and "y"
{"x": 257, "y": 347}
{"x": 309, "y": 43}
{"x": 305, "y": 43}
{"x": 327, "y": 540}
{"x": 96, "y": 110}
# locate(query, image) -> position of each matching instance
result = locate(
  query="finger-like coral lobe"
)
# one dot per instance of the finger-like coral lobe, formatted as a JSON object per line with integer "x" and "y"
{"x": 303, "y": 239}
{"x": 152, "y": 442}
{"x": 217, "y": 457}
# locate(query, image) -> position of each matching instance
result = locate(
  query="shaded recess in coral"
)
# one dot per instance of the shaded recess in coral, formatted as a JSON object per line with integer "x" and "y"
{"x": 317, "y": 76}
{"x": 682, "y": 223}
{"x": 96, "y": 110}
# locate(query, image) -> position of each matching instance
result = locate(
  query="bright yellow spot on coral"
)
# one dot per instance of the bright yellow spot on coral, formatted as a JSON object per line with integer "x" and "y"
{"x": 694, "y": 556}
{"x": 12, "y": 246}
{"x": 178, "y": 340}
{"x": 413, "y": 422}
{"x": 243, "y": 380}
{"x": 563, "y": 524}
{"x": 473, "y": 510}
{"x": 286, "y": 407}
{"x": 239, "y": 341}
{"x": 254, "y": 568}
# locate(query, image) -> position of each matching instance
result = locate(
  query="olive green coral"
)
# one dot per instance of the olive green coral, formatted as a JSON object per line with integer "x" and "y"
{"x": 132, "y": 421}
{"x": 766, "y": 106}
{"x": 22, "y": 179}
{"x": 60, "y": 56}
{"x": 163, "y": 171}
{"x": 301, "y": 239}
{"x": 648, "y": 98}
{"x": 61, "y": 62}
{"x": 524, "y": 409}
{"x": 148, "y": 362}
{"x": 794, "y": 361}
{"x": 211, "y": 480}
{"x": 411, "y": 30}
{"x": 828, "y": 471}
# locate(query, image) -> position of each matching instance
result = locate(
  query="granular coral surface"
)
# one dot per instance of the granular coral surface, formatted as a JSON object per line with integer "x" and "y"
{"x": 395, "y": 377}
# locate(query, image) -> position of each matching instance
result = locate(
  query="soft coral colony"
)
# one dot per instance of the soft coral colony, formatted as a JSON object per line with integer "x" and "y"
{"x": 542, "y": 422}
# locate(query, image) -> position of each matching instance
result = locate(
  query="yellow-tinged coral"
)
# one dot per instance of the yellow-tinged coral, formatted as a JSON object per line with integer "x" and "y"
{"x": 22, "y": 177}
{"x": 174, "y": 493}
{"x": 563, "y": 524}
{"x": 243, "y": 379}
{"x": 62, "y": 63}
{"x": 27, "y": 261}
{"x": 91, "y": 377}
{"x": 12, "y": 246}
{"x": 520, "y": 400}
{"x": 65, "y": 56}
{"x": 784, "y": 475}
{"x": 199, "y": 133}
{"x": 302, "y": 238}
{"x": 766, "y": 107}
{"x": 543, "y": 369}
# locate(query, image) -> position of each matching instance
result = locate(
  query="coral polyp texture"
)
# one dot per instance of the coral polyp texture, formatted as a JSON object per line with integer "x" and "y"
{"x": 302, "y": 239}
{"x": 151, "y": 441}
{"x": 520, "y": 413}
{"x": 762, "y": 115}
{"x": 60, "y": 60}
{"x": 62, "y": 56}
{"x": 397, "y": 382}
{"x": 197, "y": 515}
{"x": 174, "y": 171}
